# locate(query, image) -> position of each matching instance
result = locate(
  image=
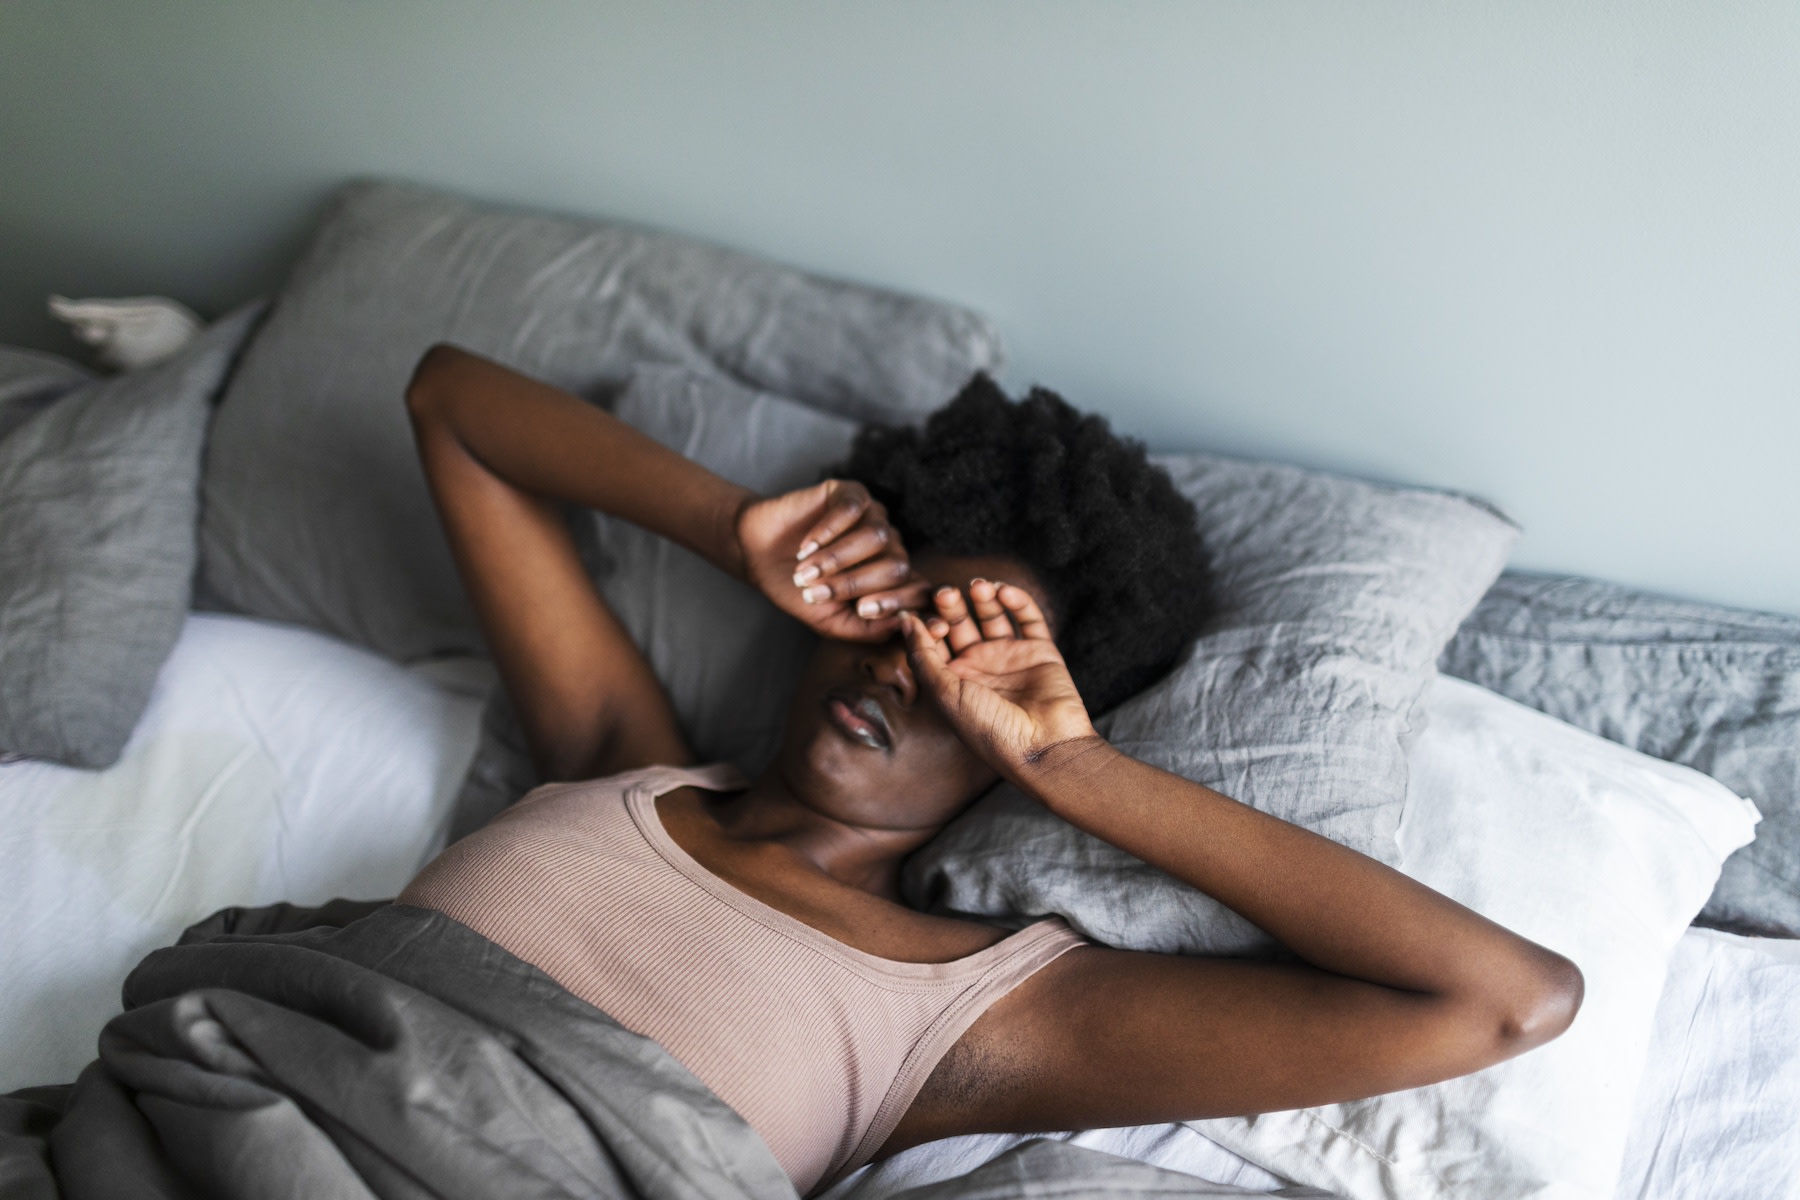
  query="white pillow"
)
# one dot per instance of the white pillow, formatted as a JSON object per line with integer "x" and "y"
{"x": 1596, "y": 851}
{"x": 272, "y": 763}
{"x": 1718, "y": 1111}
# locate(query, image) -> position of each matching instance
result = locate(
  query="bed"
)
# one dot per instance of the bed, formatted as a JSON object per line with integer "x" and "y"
{"x": 280, "y": 697}
{"x": 242, "y": 803}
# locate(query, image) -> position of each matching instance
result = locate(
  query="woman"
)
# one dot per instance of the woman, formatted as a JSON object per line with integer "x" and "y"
{"x": 755, "y": 930}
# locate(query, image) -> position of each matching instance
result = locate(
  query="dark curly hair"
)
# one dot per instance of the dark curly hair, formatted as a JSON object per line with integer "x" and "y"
{"x": 1104, "y": 529}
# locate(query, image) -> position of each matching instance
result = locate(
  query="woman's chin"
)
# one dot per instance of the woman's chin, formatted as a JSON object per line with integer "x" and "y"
{"x": 825, "y": 755}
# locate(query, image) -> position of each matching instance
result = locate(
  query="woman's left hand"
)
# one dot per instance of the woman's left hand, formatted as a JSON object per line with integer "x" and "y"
{"x": 990, "y": 665}
{"x": 828, "y": 556}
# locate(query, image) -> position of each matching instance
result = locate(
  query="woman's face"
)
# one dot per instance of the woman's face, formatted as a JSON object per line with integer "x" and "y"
{"x": 865, "y": 745}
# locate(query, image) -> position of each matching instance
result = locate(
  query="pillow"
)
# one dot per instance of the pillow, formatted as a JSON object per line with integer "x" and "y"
{"x": 30, "y": 380}
{"x": 271, "y": 763}
{"x": 729, "y": 659}
{"x": 97, "y": 509}
{"x": 1716, "y": 689}
{"x": 316, "y": 507}
{"x": 1718, "y": 1111}
{"x": 1598, "y": 852}
{"x": 1334, "y": 598}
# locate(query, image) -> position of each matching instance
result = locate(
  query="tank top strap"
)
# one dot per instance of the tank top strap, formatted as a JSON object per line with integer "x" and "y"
{"x": 712, "y": 777}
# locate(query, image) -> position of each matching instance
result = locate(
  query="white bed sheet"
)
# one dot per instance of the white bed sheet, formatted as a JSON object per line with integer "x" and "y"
{"x": 271, "y": 764}
{"x": 1173, "y": 1146}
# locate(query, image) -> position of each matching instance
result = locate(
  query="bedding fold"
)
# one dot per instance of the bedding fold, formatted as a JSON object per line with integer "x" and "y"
{"x": 377, "y": 1050}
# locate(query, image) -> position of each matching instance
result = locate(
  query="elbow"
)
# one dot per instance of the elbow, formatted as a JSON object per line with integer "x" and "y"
{"x": 1543, "y": 1004}
{"x": 436, "y": 371}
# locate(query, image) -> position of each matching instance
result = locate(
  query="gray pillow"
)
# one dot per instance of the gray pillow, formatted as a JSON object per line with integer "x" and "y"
{"x": 1334, "y": 598}
{"x": 1716, "y": 689}
{"x": 30, "y": 380}
{"x": 98, "y": 498}
{"x": 729, "y": 658}
{"x": 316, "y": 509}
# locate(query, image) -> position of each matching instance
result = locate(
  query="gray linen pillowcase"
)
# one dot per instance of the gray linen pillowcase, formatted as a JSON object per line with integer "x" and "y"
{"x": 316, "y": 508}
{"x": 30, "y": 381}
{"x": 728, "y": 658}
{"x": 98, "y": 499}
{"x": 1334, "y": 598}
{"x": 1713, "y": 688}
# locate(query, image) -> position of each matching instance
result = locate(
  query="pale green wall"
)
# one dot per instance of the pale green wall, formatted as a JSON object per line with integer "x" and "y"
{"x": 1545, "y": 252}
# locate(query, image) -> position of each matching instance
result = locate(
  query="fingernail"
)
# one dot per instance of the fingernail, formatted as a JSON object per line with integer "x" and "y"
{"x": 805, "y": 575}
{"x": 813, "y": 595}
{"x": 868, "y": 607}
{"x": 806, "y": 548}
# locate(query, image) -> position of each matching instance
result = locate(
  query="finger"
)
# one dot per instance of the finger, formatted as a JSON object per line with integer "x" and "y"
{"x": 985, "y": 600}
{"x": 928, "y": 653}
{"x": 954, "y": 611}
{"x": 882, "y": 575}
{"x": 858, "y": 545}
{"x": 914, "y": 594}
{"x": 1025, "y": 612}
{"x": 845, "y": 502}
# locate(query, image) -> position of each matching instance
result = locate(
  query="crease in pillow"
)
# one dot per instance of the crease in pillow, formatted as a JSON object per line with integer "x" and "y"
{"x": 98, "y": 504}
{"x": 1334, "y": 598}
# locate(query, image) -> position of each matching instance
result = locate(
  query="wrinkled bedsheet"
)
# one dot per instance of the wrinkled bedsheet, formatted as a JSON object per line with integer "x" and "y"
{"x": 365, "y": 1050}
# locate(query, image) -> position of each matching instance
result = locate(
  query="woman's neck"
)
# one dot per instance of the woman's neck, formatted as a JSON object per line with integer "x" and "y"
{"x": 860, "y": 856}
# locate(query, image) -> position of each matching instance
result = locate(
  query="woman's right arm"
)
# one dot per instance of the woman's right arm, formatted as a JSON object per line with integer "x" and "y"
{"x": 503, "y": 452}
{"x": 1399, "y": 986}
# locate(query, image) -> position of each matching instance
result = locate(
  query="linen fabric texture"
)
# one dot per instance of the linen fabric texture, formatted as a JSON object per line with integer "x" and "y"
{"x": 1591, "y": 849}
{"x": 375, "y": 1050}
{"x": 317, "y": 511}
{"x": 1716, "y": 689}
{"x": 1332, "y": 600}
{"x": 98, "y": 501}
{"x": 1718, "y": 1108}
{"x": 31, "y": 380}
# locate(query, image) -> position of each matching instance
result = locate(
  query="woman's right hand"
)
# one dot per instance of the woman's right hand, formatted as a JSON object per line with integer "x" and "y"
{"x": 992, "y": 668}
{"x": 828, "y": 556}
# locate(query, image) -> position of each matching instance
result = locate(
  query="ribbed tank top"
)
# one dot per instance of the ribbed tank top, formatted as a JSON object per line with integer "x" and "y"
{"x": 820, "y": 1046}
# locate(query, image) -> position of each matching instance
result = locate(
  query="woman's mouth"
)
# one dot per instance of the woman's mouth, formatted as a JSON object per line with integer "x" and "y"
{"x": 859, "y": 718}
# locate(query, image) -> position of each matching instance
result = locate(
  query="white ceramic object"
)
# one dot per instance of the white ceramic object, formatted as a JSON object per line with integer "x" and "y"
{"x": 132, "y": 332}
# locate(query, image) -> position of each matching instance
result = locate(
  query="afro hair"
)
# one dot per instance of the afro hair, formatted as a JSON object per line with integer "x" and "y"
{"x": 1104, "y": 529}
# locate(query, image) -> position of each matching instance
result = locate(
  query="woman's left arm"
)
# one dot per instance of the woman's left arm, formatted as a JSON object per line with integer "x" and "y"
{"x": 1401, "y": 985}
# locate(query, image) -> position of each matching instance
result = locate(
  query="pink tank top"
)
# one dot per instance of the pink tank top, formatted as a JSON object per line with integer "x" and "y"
{"x": 819, "y": 1046}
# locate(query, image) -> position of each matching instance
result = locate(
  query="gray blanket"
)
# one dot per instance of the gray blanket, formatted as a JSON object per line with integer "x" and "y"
{"x": 365, "y": 1050}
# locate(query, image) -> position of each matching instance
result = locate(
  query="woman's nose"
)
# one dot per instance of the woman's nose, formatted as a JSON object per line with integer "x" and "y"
{"x": 886, "y": 665}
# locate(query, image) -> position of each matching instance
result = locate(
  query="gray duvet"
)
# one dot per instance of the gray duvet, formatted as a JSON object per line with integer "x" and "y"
{"x": 373, "y": 1050}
